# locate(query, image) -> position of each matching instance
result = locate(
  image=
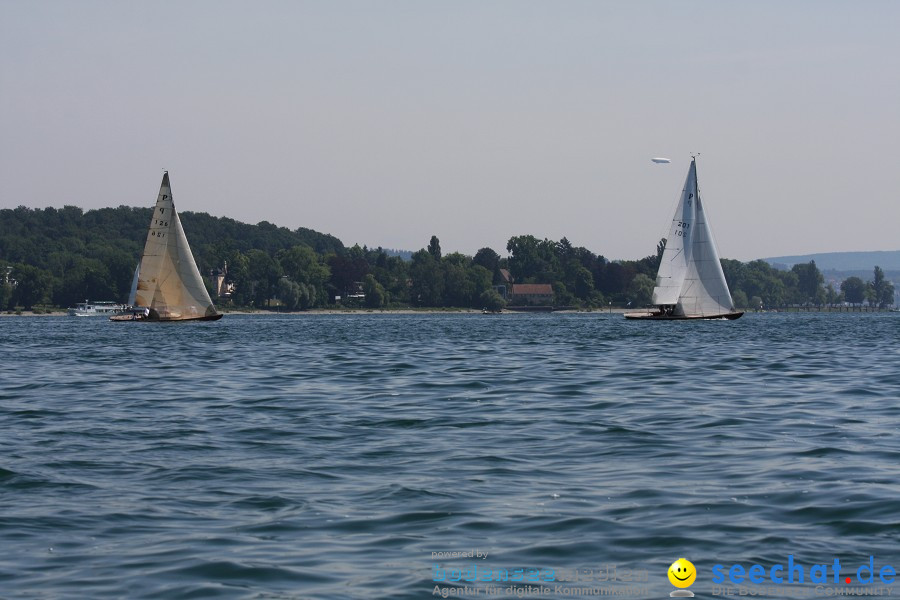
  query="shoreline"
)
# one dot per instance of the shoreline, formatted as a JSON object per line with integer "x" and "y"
{"x": 349, "y": 311}
{"x": 448, "y": 311}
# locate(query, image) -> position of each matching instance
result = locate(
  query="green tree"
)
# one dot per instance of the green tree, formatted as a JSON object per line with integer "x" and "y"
{"x": 490, "y": 260}
{"x": 584, "y": 283}
{"x": 6, "y": 288}
{"x": 809, "y": 283}
{"x": 239, "y": 274}
{"x": 740, "y": 299}
{"x": 84, "y": 279}
{"x": 264, "y": 273}
{"x": 640, "y": 290}
{"x": 374, "y": 291}
{"x": 33, "y": 286}
{"x": 561, "y": 295}
{"x": 492, "y": 301}
{"x": 882, "y": 290}
{"x": 613, "y": 278}
{"x": 392, "y": 272}
{"x": 532, "y": 260}
{"x": 481, "y": 281}
{"x": 869, "y": 294}
{"x": 303, "y": 265}
{"x": 854, "y": 290}
{"x": 348, "y": 271}
{"x": 434, "y": 248}
{"x": 308, "y": 296}
{"x": 832, "y": 297}
{"x": 6, "y": 295}
{"x": 887, "y": 295}
{"x": 288, "y": 293}
{"x": 762, "y": 280}
{"x": 426, "y": 280}
{"x": 459, "y": 289}
{"x": 735, "y": 275}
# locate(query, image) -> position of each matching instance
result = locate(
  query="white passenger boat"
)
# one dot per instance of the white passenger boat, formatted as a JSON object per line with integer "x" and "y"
{"x": 102, "y": 308}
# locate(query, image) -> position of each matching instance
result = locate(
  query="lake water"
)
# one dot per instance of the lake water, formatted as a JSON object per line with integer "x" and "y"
{"x": 331, "y": 456}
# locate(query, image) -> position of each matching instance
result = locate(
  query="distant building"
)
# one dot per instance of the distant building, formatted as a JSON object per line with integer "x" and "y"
{"x": 505, "y": 282}
{"x": 527, "y": 294}
{"x": 357, "y": 292}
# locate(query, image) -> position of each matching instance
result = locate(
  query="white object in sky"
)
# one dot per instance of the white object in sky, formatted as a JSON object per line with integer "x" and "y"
{"x": 660, "y": 160}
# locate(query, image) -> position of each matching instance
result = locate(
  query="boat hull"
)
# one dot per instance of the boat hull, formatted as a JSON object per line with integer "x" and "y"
{"x": 214, "y": 317}
{"x": 660, "y": 317}
{"x": 139, "y": 319}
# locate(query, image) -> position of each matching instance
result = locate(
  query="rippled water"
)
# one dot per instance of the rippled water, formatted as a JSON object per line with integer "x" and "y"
{"x": 328, "y": 456}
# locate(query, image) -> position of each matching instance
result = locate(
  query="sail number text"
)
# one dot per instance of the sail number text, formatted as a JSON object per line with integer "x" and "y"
{"x": 159, "y": 223}
{"x": 682, "y": 228}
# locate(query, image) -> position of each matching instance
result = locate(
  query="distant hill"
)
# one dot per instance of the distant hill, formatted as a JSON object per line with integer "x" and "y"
{"x": 838, "y": 266}
{"x": 888, "y": 260}
{"x": 91, "y": 254}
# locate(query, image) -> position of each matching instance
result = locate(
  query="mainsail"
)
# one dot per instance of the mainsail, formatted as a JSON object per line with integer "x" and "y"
{"x": 690, "y": 275}
{"x": 169, "y": 283}
{"x": 674, "y": 262}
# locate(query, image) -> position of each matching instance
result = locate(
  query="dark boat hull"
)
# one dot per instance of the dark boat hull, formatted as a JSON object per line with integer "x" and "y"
{"x": 132, "y": 319}
{"x": 662, "y": 317}
{"x": 218, "y": 316}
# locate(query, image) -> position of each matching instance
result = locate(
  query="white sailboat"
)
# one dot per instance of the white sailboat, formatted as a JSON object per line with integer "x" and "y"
{"x": 690, "y": 283}
{"x": 168, "y": 286}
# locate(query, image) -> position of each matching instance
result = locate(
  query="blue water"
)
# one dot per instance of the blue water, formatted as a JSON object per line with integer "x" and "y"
{"x": 329, "y": 456}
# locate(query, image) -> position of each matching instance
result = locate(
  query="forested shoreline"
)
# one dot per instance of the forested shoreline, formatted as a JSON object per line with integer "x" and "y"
{"x": 57, "y": 257}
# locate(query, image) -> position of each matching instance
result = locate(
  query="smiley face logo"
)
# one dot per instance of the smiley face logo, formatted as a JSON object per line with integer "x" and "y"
{"x": 682, "y": 573}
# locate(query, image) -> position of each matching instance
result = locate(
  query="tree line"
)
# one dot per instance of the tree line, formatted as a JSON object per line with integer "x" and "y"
{"x": 58, "y": 257}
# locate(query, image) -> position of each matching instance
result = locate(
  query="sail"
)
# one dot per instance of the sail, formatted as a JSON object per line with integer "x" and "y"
{"x": 673, "y": 265}
{"x": 690, "y": 275}
{"x": 169, "y": 283}
{"x": 704, "y": 291}
{"x": 134, "y": 282}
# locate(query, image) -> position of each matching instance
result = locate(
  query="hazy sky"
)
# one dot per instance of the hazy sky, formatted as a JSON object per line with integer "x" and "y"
{"x": 386, "y": 122}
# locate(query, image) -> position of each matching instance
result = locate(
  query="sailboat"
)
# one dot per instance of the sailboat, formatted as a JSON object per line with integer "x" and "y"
{"x": 167, "y": 284}
{"x": 690, "y": 283}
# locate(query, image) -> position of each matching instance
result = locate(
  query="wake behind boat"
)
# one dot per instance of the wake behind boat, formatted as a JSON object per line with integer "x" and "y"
{"x": 690, "y": 283}
{"x": 168, "y": 284}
